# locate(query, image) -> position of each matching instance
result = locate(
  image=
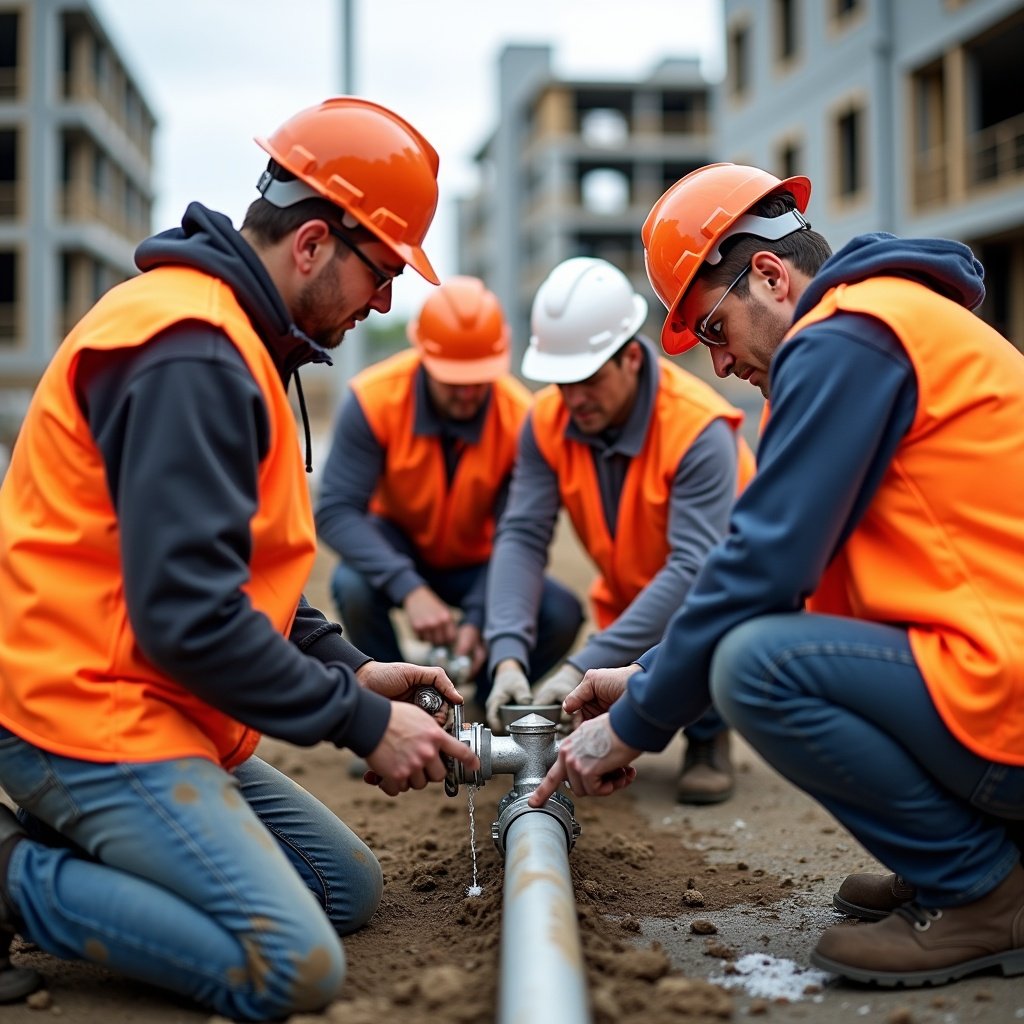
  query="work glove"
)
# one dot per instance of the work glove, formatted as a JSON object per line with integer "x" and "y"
{"x": 510, "y": 687}
{"x": 557, "y": 687}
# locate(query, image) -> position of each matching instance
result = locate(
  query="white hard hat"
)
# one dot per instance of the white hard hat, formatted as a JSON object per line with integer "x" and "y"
{"x": 583, "y": 313}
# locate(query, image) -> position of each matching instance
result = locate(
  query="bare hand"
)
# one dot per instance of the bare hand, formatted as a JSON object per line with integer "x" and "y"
{"x": 398, "y": 680}
{"x": 409, "y": 754}
{"x": 593, "y": 760}
{"x": 469, "y": 642}
{"x": 430, "y": 618}
{"x": 599, "y": 690}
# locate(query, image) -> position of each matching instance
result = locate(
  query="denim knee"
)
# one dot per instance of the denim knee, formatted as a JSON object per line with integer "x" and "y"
{"x": 351, "y": 591}
{"x": 298, "y": 972}
{"x": 364, "y": 891}
{"x": 562, "y": 614}
{"x": 733, "y": 667}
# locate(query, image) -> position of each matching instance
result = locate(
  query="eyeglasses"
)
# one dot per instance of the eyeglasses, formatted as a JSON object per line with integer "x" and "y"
{"x": 381, "y": 278}
{"x": 702, "y": 330}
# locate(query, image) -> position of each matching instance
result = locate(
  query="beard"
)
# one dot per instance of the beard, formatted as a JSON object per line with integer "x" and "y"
{"x": 318, "y": 307}
{"x": 769, "y": 327}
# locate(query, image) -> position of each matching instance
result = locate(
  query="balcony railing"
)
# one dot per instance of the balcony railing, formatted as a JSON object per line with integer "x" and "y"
{"x": 931, "y": 176}
{"x": 996, "y": 154}
{"x": 8, "y": 323}
{"x": 8, "y": 83}
{"x": 993, "y": 156}
{"x": 9, "y": 196}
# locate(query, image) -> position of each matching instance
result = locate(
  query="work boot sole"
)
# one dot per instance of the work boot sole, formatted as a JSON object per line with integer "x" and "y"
{"x": 704, "y": 798}
{"x": 18, "y": 982}
{"x": 1010, "y": 963}
{"x": 855, "y": 910}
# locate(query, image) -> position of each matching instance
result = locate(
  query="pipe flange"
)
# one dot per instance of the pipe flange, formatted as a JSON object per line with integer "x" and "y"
{"x": 514, "y": 805}
{"x": 478, "y": 739}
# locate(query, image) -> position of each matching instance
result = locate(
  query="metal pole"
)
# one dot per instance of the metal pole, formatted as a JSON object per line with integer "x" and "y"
{"x": 543, "y": 980}
{"x": 352, "y": 355}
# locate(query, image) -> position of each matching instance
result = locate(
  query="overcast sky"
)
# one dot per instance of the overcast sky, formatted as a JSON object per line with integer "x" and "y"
{"x": 218, "y": 72}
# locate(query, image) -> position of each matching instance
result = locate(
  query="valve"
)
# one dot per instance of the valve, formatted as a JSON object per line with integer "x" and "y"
{"x": 456, "y": 666}
{"x": 526, "y": 754}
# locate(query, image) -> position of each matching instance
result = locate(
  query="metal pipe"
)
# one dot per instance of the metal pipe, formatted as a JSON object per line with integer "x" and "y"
{"x": 543, "y": 980}
{"x": 542, "y": 976}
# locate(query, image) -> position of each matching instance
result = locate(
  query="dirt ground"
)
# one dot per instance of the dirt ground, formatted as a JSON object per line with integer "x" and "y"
{"x": 686, "y": 914}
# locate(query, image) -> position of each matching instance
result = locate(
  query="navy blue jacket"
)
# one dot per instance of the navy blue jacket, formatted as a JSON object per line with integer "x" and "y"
{"x": 843, "y": 395}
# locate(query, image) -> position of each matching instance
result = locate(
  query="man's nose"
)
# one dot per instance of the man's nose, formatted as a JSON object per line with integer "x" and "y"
{"x": 381, "y": 300}
{"x": 722, "y": 361}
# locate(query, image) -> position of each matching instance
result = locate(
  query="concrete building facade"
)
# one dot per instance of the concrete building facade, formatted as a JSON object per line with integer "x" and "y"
{"x": 572, "y": 169}
{"x": 76, "y": 188}
{"x": 907, "y": 115}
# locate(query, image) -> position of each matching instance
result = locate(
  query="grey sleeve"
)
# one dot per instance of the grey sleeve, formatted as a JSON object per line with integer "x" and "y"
{"x": 353, "y": 468}
{"x": 516, "y": 576}
{"x": 703, "y": 492}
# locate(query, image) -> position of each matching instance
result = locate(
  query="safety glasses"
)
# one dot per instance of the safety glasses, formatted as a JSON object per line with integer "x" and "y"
{"x": 712, "y": 335}
{"x": 382, "y": 279}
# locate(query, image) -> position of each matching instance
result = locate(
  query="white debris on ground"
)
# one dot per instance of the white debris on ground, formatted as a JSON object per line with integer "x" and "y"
{"x": 773, "y": 978}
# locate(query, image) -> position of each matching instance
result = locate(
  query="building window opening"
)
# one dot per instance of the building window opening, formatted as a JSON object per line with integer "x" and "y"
{"x": 604, "y": 126}
{"x": 604, "y": 191}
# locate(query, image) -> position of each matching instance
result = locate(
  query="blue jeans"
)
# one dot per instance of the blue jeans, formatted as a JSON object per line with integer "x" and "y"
{"x": 706, "y": 728}
{"x": 365, "y": 611}
{"x": 839, "y": 708}
{"x": 229, "y": 888}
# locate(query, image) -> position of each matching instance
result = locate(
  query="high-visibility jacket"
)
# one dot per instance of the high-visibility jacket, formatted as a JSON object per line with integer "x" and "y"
{"x": 72, "y": 678}
{"x": 683, "y": 408}
{"x": 451, "y": 525}
{"x": 941, "y": 547}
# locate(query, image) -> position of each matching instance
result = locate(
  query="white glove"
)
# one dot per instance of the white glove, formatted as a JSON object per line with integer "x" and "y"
{"x": 510, "y": 687}
{"x": 557, "y": 687}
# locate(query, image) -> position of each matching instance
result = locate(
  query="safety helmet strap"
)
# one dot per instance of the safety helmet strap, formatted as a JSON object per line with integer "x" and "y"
{"x": 771, "y": 229}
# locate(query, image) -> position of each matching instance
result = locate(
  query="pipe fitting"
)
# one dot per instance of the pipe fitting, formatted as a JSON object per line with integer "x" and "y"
{"x": 514, "y": 805}
{"x": 526, "y": 754}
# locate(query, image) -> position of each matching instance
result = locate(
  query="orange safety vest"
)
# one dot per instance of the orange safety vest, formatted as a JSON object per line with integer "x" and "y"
{"x": 940, "y": 550}
{"x": 72, "y": 678}
{"x": 450, "y": 525}
{"x": 683, "y": 408}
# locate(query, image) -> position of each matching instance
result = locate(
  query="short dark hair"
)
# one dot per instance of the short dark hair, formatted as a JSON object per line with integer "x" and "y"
{"x": 806, "y": 249}
{"x": 268, "y": 223}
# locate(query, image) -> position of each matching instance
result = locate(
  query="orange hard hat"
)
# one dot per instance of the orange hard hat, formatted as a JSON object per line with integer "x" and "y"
{"x": 365, "y": 159}
{"x": 461, "y": 333}
{"x": 688, "y": 223}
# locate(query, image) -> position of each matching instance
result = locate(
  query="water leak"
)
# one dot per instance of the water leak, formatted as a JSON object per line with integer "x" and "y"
{"x": 474, "y": 889}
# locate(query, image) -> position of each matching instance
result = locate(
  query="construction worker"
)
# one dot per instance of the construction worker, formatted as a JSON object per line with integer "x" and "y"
{"x": 155, "y": 536}
{"x": 644, "y": 458}
{"x": 862, "y": 624}
{"x": 419, "y": 467}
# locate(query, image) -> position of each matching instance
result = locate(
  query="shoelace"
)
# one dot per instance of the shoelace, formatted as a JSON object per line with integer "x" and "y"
{"x": 700, "y": 752}
{"x": 920, "y": 917}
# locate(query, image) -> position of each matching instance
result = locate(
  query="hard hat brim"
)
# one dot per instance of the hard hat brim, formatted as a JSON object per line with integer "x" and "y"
{"x": 551, "y": 369}
{"x": 674, "y": 341}
{"x": 468, "y": 371}
{"x": 414, "y": 256}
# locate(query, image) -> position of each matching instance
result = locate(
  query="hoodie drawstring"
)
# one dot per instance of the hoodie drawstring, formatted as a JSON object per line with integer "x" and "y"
{"x": 305, "y": 422}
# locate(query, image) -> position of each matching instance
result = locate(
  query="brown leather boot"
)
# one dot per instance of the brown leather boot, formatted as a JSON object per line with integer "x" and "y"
{"x": 707, "y": 776}
{"x": 918, "y": 945}
{"x": 872, "y": 897}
